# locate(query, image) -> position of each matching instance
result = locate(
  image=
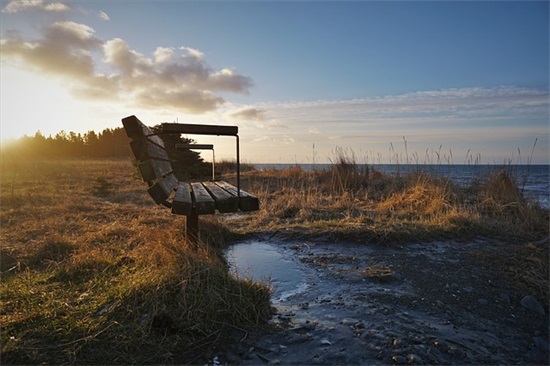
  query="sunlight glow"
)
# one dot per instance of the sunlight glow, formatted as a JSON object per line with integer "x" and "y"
{"x": 32, "y": 103}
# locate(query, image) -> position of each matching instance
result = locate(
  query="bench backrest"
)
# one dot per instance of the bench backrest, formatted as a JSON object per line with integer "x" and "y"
{"x": 154, "y": 163}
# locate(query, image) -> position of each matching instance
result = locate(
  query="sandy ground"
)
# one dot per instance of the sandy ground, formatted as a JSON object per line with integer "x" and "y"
{"x": 419, "y": 304}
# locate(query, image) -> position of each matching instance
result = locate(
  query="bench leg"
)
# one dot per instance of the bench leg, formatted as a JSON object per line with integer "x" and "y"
{"x": 193, "y": 227}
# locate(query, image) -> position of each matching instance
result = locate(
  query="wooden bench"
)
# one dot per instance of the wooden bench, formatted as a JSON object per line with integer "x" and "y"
{"x": 191, "y": 199}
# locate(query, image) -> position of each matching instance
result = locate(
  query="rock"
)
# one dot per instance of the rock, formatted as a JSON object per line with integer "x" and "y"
{"x": 326, "y": 342}
{"x": 399, "y": 360}
{"x": 541, "y": 343}
{"x": 530, "y": 303}
{"x": 349, "y": 321}
{"x": 482, "y": 302}
{"x": 412, "y": 358}
{"x": 505, "y": 298}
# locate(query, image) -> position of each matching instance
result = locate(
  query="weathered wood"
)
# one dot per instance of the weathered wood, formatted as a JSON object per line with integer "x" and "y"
{"x": 225, "y": 201}
{"x": 183, "y": 203}
{"x": 136, "y": 130}
{"x": 152, "y": 170}
{"x": 163, "y": 189}
{"x": 189, "y": 199}
{"x": 204, "y": 203}
{"x": 199, "y": 129}
{"x": 247, "y": 202}
{"x": 144, "y": 149}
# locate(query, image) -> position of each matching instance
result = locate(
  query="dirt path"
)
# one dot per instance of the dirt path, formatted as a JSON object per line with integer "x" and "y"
{"x": 421, "y": 304}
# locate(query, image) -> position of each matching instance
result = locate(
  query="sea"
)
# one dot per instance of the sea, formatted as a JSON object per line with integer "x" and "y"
{"x": 533, "y": 180}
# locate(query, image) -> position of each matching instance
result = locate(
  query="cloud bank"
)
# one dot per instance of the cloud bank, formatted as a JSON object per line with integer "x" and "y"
{"x": 173, "y": 78}
{"x": 501, "y": 118}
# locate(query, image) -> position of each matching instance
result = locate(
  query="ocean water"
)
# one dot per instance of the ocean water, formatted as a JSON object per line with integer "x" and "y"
{"x": 533, "y": 180}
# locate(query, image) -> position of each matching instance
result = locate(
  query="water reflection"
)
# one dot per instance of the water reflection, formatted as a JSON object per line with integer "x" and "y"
{"x": 266, "y": 262}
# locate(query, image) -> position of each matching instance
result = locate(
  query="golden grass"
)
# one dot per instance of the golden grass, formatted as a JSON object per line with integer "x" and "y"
{"x": 94, "y": 272}
{"x": 373, "y": 206}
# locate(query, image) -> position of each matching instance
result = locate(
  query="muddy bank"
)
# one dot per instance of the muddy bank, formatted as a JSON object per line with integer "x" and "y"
{"x": 419, "y": 304}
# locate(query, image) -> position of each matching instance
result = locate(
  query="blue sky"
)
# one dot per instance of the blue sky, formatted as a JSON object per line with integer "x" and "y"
{"x": 300, "y": 79}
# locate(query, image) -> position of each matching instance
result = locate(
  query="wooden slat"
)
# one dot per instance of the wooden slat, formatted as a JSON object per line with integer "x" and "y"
{"x": 225, "y": 201}
{"x": 152, "y": 170}
{"x": 200, "y": 129}
{"x": 247, "y": 202}
{"x": 163, "y": 189}
{"x": 136, "y": 130}
{"x": 204, "y": 204}
{"x": 182, "y": 204}
{"x": 144, "y": 149}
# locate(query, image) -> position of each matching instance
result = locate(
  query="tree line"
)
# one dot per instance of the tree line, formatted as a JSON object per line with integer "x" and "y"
{"x": 110, "y": 143}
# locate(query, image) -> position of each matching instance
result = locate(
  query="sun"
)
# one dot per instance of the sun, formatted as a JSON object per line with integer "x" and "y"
{"x": 31, "y": 102}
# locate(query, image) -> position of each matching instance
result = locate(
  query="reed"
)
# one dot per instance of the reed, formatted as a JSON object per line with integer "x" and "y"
{"x": 348, "y": 198}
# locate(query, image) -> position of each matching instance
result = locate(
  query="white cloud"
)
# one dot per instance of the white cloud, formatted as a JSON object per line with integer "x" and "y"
{"x": 166, "y": 80}
{"x": 16, "y": 6}
{"x": 284, "y": 139}
{"x": 64, "y": 50}
{"x": 504, "y": 118}
{"x": 164, "y": 55}
{"x": 192, "y": 52}
{"x": 249, "y": 114}
{"x": 450, "y": 104}
{"x": 104, "y": 16}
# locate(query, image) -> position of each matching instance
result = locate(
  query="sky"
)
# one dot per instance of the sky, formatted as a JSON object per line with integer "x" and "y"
{"x": 380, "y": 81}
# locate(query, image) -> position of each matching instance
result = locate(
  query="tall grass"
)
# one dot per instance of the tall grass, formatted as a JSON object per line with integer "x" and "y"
{"x": 350, "y": 199}
{"x": 93, "y": 272}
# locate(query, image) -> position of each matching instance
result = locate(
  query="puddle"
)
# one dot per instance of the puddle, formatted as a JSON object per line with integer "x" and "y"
{"x": 356, "y": 304}
{"x": 266, "y": 262}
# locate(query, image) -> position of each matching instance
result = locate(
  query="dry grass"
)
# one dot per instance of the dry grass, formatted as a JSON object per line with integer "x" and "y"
{"x": 94, "y": 272}
{"x": 372, "y": 206}
{"x": 523, "y": 266}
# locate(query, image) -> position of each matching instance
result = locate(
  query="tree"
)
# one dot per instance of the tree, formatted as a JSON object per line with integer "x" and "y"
{"x": 187, "y": 164}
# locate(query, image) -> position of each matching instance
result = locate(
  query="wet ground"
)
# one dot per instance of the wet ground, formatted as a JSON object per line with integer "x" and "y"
{"x": 420, "y": 304}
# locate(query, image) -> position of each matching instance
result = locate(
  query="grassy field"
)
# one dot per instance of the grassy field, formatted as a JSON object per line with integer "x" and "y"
{"x": 94, "y": 272}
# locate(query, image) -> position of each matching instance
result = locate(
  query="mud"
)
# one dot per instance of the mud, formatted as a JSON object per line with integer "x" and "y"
{"x": 417, "y": 304}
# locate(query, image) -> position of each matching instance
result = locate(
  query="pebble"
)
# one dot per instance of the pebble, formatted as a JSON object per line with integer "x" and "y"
{"x": 504, "y": 297}
{"x": 541, "y": 343}
{"x": 530, "y": 303}
{"x": 349, "y": 321}
{"x": 412, "y": 358}
{"x": 399, "y": 360}
{"x": 482, "y": 302}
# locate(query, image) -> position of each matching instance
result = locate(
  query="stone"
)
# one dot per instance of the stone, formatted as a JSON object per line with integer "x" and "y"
{"x": 504, "y": 298}
{"x": 349, "y": 321}
{"x": 413, "y": 358}
{"x": 399, "y": 360}
{"x": 482, "y": 302}
{"x": 530, "y": 303}
{"x": 541, "y": 343}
